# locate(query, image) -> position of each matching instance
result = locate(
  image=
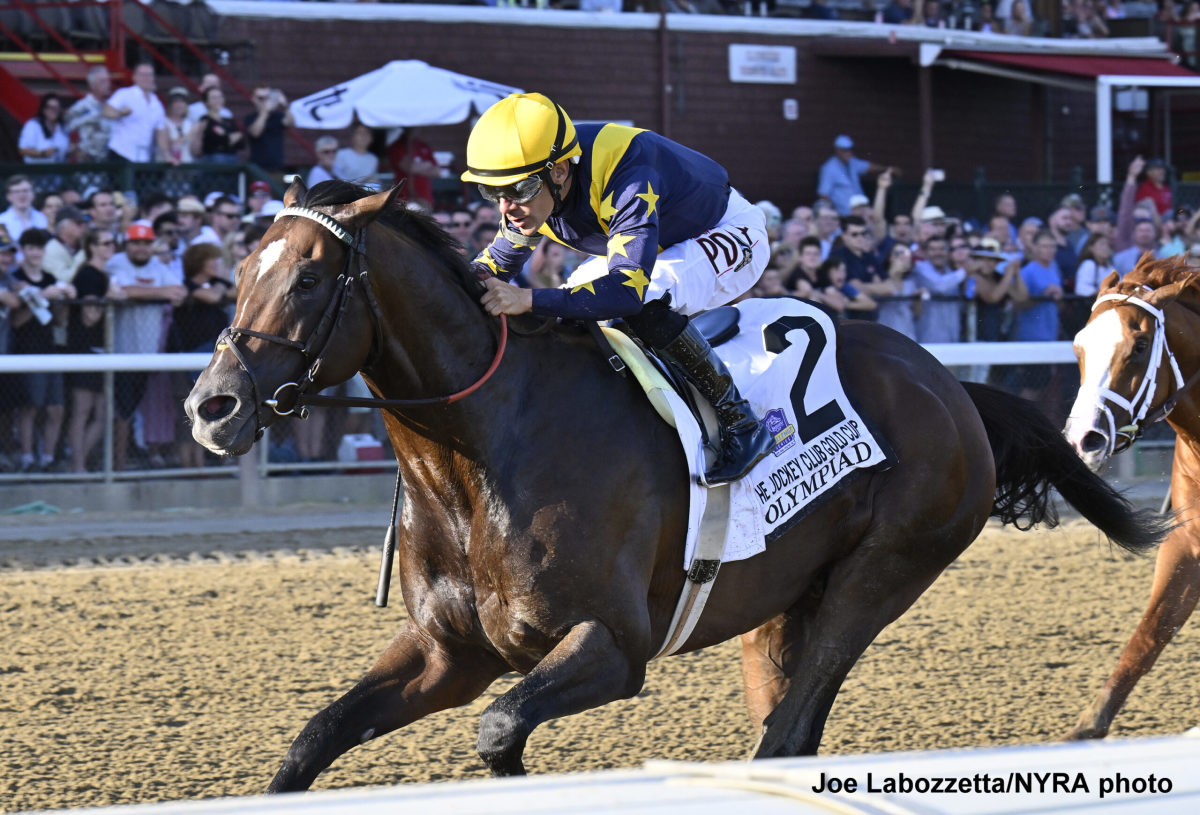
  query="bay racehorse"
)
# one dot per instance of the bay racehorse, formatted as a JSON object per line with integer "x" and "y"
{"x": 1139, "y": 361}
{"x": 545, "y": 513}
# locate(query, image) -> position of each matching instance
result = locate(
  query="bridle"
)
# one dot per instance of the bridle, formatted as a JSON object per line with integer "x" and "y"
{"x": 293, "y": 397}
{"x": 1138, "y": 407}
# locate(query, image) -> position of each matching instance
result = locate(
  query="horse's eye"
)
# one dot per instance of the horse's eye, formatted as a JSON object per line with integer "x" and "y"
{"x": 308, "y": 281}
{"x": 1140, "y": 345}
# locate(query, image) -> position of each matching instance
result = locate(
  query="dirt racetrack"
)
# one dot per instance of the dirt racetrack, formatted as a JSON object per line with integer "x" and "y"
{"x": 181, "y": 666}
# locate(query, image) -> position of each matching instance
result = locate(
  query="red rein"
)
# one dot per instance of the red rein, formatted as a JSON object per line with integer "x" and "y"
{"x": 454, "y": 397}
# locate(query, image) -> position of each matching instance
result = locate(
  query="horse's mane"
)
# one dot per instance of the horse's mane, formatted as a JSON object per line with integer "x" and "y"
{"x": 422, "y": 229}
{"x": 1155, "y": 273}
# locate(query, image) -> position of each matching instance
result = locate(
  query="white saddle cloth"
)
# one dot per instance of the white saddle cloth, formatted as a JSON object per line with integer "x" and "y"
{"x": 784, "y": 360}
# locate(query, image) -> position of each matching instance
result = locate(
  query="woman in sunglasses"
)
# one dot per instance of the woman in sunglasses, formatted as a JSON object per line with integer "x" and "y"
{"x": 85, "y": 335}
{"x": 619, "y": 193}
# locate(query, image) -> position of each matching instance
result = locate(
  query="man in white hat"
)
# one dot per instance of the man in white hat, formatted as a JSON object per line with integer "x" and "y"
{"x": 190, "y": 213}
{"x": 840, "y": 175}
{"x": 930, "y": 222}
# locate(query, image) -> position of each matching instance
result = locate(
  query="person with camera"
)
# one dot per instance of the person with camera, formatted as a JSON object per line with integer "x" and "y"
{"x": 266, "y": 126}
{"x": 997, "y": 284}
{"x": 33, "y": 333}
{"x": 929, "y": 220}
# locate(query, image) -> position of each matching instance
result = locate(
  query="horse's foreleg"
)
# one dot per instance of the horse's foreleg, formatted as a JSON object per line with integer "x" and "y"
{"x": 1173, "y": 597}
{"x": 585, "y": 670}
{"x": 414, "y": 677}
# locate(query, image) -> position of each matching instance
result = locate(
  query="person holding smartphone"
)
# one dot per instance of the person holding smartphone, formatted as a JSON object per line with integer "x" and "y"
{"x": 266, "y": 126}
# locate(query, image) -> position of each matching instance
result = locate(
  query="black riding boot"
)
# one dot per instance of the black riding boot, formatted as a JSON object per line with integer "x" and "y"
{"x": 744, "y": 440}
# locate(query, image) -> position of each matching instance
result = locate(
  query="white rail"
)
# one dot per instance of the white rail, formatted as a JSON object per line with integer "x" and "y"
{"x": 948, "y": 353}
{"x": 1131, "y": 777}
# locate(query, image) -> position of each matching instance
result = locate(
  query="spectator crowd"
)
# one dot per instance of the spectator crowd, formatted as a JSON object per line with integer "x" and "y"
{"x": 163, "y": 269}
{"x": 1084, "y": 19}
{"x": 936, "y": 277}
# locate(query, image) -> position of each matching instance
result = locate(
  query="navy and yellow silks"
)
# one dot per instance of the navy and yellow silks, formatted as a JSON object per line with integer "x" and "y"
{"x": 633, "y": 191}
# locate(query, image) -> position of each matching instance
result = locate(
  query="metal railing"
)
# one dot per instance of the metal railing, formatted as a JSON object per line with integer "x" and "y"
{"x": 268, "y": 460}
{"x": 271, "y": 457}
{"x": 196, "y": 178}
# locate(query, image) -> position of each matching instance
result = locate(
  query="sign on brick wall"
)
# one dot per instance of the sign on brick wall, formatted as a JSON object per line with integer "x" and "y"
{"x": 772, "y": 64}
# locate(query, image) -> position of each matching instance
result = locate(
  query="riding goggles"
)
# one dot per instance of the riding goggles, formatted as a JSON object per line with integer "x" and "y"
{"x": 520, "y": 192}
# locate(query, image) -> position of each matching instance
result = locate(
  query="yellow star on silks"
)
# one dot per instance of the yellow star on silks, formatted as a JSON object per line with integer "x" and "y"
{"x": 588, "y": 285}
{"x": 650, "y": 198}
{"x": 607, "y": 210}
{"x": 487, "y": 260}
{"x": 637, "y": 280}
{"x": 616, "y": 245}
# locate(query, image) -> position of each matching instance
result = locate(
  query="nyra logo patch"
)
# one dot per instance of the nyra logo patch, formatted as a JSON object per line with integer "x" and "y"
{"x": 777, "y": 423}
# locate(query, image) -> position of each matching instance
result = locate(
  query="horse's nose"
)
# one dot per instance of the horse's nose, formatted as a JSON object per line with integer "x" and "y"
{"x": 1093, "y": 441}
{"x": 211, "y": 408}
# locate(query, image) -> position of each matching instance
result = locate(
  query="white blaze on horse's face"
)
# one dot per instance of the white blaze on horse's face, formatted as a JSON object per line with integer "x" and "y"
{"x": 1096, "y": 346}
{"x": 268, "y": 256}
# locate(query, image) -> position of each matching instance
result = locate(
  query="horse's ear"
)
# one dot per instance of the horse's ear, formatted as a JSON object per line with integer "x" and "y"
{"x": 366, "y": 210}
{"x": 295, "y": 192}
{"x": 1160, "y": 297}
{"x": 1110, "y": 282}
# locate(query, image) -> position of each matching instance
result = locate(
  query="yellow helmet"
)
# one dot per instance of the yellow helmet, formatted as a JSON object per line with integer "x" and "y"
{"x": 522, "y": 134}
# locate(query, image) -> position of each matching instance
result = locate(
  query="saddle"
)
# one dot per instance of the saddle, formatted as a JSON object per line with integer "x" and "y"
{"x": 718, "y": 326}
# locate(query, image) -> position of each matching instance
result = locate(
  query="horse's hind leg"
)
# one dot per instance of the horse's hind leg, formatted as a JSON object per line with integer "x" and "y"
{"x": 864, "y": 592}
{"x": 1173, "y": 597}
{"x": 585, "y": 670}
{"x": 770, "y": 658}
{"x": 414, "y": 677}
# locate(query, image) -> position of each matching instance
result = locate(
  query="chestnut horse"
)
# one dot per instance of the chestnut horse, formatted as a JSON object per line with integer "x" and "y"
{"x": 1139, "y": 359}
{"x": 546, "y": 513}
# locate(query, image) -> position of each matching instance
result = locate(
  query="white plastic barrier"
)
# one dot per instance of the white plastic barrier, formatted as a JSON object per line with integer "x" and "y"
{"x": 1133, "y": 777}
{"x": 74, "y": 363}
{"x": 948, "y": 353}
{"x": 1002, "y": 353}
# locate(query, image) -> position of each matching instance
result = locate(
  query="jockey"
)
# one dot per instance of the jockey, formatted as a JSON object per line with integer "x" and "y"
{"x": 669, "y": 237}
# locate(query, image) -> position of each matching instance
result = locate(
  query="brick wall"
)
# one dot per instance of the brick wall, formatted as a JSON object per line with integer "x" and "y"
{"x": 980, "y": 121}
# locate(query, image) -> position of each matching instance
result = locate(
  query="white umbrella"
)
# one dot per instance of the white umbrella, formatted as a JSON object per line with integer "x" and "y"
{"x": 403, "y": 93}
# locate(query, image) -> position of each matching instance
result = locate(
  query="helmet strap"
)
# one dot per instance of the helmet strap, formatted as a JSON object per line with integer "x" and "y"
{"x": 555, "y": 189}
{"x": 516, "y": 238}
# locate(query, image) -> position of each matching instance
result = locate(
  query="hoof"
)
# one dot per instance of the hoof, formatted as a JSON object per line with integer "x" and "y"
{"x": 502, "y": 737}
{"x": 1081, "y": 733}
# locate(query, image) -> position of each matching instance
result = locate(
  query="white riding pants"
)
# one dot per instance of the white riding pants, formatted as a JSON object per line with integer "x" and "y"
{"x": 709, "y": 270}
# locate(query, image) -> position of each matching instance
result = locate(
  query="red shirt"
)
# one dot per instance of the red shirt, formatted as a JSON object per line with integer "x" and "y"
{"x": 418, "y": 187}
{"x": 1160, "y": 195}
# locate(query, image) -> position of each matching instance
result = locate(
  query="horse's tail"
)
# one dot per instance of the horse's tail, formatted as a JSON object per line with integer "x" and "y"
{"x": 1032, "y": 456}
